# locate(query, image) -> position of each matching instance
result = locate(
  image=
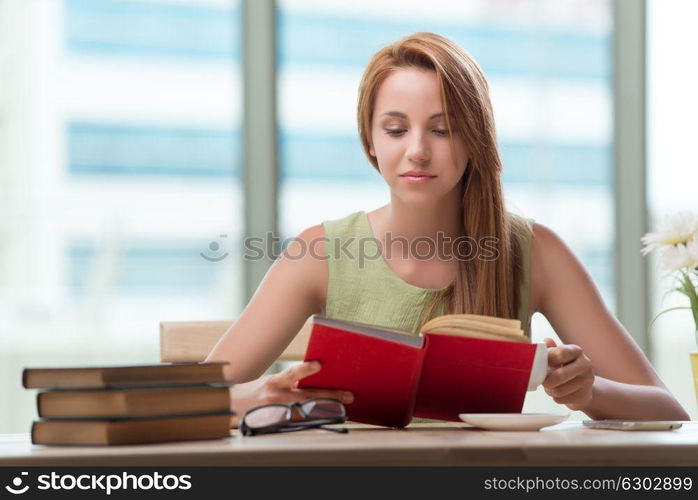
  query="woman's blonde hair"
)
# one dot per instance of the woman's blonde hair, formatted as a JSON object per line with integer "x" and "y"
{"x": 490, "y": 287}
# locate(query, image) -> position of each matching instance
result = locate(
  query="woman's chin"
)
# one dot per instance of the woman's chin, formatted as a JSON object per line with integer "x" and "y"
{"x": 419, "y": 200}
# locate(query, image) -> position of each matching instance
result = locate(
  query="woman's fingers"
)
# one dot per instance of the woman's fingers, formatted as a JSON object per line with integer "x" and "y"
{"x": 569, "y": 387}
{"x": 290, "y": 376}
{"x": 578, "y": 396}
{"x": 282, "y": 387}
{"x": 298, "y": 395}
{"x": 563, "y": 354}
{"x": 344, "y": 396}
{"x": 571, "y": 378}
{"x": 567, "y": 398}
{"x": 564, "y": 374}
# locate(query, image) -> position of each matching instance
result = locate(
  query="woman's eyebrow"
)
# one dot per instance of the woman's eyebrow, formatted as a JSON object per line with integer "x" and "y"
{"x": 398, "y": 114}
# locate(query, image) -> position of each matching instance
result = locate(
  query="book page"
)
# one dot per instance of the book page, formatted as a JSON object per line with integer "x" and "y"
{"x": 490, "y": 320}
{"x": 389, "y": 334}
{"x": 469, "y": 325}
{"x": 459, "y": 332}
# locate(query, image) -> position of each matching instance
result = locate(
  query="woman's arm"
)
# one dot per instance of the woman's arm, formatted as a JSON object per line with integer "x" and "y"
{"x": 600, "y": 370}
{"x": 293, "y": 289}
{"x": 290, "y": 292}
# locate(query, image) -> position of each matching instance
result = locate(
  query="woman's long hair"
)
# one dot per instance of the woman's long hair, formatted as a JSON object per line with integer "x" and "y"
{"x": 489, "y": 287}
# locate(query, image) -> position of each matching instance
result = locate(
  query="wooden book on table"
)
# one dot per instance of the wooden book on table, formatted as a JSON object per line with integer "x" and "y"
{"x": 134, "y": 402}
{"x": 457, "y": 364}
{"x": 123, "y": 375}
{"x": 131, "y": 430}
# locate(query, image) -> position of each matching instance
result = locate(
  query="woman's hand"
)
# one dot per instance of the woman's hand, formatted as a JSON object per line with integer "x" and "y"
{"x": 281, "y": 388}
{"x": 570, "y": 375}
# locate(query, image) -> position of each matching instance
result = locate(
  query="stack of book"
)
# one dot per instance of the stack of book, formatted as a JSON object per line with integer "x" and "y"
{"x": 110, "y": 405}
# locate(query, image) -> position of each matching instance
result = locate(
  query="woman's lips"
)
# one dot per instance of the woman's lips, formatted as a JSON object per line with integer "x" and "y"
{"x": 417, "y": 178}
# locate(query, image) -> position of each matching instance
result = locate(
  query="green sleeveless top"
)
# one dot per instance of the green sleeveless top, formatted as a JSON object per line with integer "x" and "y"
{"x": 363, "y": 288}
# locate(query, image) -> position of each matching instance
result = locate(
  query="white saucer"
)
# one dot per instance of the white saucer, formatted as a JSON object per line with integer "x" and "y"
{"x": 513, "y": 421}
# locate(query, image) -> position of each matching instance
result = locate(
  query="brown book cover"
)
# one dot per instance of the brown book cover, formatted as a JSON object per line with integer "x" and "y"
{"x": 134, "y": 402}
{"x": 131, "y": 430}
{"x": 123, "y": 375}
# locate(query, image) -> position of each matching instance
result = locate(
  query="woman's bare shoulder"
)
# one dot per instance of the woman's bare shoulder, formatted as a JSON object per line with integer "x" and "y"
{"x": 555, "y": 267}
{"x": 307, "y": 251}
{"x": 548, "y": 248}
{"x": 550, "y": 257}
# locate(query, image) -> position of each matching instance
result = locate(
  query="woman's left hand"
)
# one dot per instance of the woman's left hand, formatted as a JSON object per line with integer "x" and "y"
{"x": 570, "y": 375}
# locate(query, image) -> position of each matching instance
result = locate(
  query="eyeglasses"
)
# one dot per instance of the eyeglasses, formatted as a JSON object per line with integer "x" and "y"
{"x": 315, "y": 413}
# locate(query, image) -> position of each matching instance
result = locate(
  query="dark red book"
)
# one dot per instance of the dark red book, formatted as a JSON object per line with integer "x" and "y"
{"x": 395, "y": 375}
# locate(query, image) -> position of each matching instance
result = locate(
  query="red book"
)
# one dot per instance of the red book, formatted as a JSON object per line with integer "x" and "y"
{"x": 396, "y": 375}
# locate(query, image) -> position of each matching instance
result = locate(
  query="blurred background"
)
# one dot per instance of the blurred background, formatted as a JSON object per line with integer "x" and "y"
{"x": 124, "y": 197}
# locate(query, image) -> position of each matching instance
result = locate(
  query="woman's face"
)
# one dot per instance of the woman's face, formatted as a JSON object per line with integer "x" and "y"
{"x": 410, "y": 139}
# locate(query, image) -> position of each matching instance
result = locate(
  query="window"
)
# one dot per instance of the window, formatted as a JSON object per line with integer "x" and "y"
{"x": 672, "y": 176}
{"x": 122, "y": 197}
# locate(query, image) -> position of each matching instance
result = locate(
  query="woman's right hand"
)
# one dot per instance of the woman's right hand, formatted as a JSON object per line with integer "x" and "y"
{"x": 281, "y": 388}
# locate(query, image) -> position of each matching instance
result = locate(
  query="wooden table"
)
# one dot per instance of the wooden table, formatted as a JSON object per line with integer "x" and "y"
{"x": 420, "y": 444}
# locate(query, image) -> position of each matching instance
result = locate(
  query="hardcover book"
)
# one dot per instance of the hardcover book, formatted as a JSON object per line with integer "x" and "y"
{"x": 131, "y": 430}
{"x": 457, "y": 364}
{"x": 123, "y": 375}
{"x": 134, "y": 401}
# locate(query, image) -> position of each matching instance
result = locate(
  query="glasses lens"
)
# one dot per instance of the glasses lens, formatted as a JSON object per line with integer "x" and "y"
{"x": 323, "y": 408}
{"x": 266, "y": 416}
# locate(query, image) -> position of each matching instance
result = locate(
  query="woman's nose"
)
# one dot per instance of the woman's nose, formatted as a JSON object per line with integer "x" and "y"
{"x": 418, "y": 149}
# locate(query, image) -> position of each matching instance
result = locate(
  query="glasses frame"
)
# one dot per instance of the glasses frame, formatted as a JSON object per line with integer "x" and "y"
{"x": 289, "y": 425}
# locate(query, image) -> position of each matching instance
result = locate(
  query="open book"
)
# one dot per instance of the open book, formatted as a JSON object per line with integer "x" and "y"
{"x": 458, "y": 364}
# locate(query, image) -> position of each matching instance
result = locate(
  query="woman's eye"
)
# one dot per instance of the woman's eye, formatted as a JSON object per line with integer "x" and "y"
{"x": 399, "y": 132}
{"x": 394, "y": 132}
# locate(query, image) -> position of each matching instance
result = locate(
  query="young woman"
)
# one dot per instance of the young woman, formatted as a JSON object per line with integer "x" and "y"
{"x": 426, "y": 124}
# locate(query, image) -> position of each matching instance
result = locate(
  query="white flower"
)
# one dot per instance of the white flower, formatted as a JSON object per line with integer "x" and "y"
{"x": 681, "y": 256}
{"x": 675, "y": 230}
